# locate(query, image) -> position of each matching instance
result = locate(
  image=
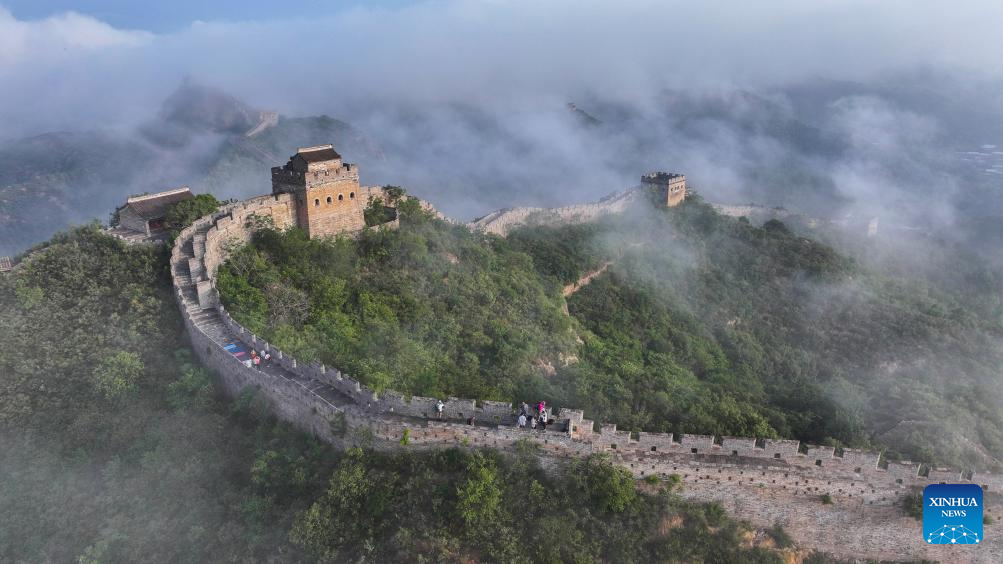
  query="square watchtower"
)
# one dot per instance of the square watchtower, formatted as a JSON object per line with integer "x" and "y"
{"x": 325, "y": 189}
{"x": 671, "y": 186}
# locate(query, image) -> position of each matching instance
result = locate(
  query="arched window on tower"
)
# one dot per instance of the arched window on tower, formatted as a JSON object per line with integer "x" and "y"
{"x": 341, "y": 197}
{"x": 329, "y": 200}
{"x": 351, "y": 195}
{"x": 316, "y": 202}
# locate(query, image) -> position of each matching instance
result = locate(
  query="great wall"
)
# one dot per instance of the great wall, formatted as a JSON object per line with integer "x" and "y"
{"x": 766, "y": 481}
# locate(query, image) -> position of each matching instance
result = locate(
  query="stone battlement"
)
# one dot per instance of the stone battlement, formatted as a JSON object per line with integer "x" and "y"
{"x": 347, "y": 171}
{"x": 502, "y": 221}
{"x": 211, "y": 237}
{"x": 742, "y": 473}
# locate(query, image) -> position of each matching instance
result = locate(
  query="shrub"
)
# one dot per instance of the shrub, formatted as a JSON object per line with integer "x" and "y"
{"x": 117, "y": 375}
{"x": 780, "y": 536}
{"x": 912, "y": 506}
{"x": 183, "y": 213}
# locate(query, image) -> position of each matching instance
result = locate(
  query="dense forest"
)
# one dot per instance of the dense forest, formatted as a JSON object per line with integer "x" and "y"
{"x": 117, "y": 448}
{"x": 431, "y": 309}
{"x": 695, "y": 323}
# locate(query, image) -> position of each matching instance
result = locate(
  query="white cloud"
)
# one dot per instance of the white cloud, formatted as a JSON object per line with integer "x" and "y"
{"x": 59, "y": 36}
{"x": 514, "y": 50}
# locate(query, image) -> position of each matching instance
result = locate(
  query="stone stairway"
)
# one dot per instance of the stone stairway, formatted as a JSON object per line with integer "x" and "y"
{"x": 211, "y": 324}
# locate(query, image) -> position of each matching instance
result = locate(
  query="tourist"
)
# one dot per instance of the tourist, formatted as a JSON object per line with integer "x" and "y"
{"x": 540, "y": 407}
{"x": 543, "y": 418}
{"x": 522, "y": 420}
{"x": 532, "y": 422}
{"x": 524, "y": 409}
{"x": 439, "y": 405}
{"x": 268, "y": 358}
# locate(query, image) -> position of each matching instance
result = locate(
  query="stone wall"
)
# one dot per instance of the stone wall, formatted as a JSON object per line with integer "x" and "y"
{"x": 764, "y": 480}
{"x": 502, "y": 221}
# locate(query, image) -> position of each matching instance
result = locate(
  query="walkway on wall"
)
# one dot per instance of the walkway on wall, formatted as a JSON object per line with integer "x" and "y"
{"x": 210, "y": 322}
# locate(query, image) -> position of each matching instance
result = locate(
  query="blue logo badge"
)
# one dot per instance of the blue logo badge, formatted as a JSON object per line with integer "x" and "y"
{"x": 952, "y": 514}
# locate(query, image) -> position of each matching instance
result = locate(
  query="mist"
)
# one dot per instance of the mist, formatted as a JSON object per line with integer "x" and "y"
{"x": 841, "y": 108}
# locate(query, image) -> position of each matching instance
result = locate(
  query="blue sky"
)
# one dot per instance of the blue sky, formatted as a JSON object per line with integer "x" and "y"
{"x": 170, "y": 15}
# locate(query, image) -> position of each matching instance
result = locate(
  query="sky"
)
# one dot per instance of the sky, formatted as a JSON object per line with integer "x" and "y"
{"x": 400, "y": 71}
{"x": 173, "y": 15}
{"x": 58, "y": 60}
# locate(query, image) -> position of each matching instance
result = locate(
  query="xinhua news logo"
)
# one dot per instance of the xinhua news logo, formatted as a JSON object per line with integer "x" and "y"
{"x": 952, "y": 514}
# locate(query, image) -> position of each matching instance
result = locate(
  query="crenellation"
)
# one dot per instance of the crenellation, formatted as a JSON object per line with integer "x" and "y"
{"x": 780, "y": 448}
{"x": 497, "y": 411}
{"x": 457, "y": 408}
{"x": 738, "y": 446}
{"x": 819, "y": 454}
{"x": 866, "y": 460}
{"x": 656, "y": 442}
{"x": 697, "y": 443}
{"x": 947, "y": 475}
{"x": 902, "y": 470}
{"x": 739, "y": 472}
{"x": 575, "y": 416}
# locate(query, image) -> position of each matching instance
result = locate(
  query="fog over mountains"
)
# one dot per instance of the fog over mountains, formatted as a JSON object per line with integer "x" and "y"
{"x": 830, "y": 119}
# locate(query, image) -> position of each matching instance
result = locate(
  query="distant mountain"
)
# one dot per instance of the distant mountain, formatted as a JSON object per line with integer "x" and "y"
{"x": 200, "y": 137}
{"x": 243, "y": 163}
{"x": 202, "y": 108}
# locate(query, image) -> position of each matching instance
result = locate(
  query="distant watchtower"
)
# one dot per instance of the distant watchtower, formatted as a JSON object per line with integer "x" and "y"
{"x": 671, "y": 186}
{"x": 326, "y": 190}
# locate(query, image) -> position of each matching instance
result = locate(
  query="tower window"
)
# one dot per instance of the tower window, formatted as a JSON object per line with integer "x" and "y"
{"x": 351, "y": 195}
{"x": 341, "y": 197}
{"x": 329, "y": 199}
{"x": 316, "y": 202}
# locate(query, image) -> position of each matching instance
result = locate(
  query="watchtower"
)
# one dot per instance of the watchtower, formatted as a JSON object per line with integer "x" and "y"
{"x": 326, "y": 190}
{"x": 670, "y": 185}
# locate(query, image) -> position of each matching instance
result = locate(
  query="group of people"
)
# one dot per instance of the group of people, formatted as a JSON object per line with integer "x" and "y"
{"x": 256, "y": 359}
{"x": 540, "y": 419}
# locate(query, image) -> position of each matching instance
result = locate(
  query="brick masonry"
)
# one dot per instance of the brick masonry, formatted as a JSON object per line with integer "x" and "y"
{"x": 766, "y": 481}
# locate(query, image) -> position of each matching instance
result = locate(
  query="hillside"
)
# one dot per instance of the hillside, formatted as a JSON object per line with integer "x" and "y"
{"x": 699, "y": 324}
{"x": 118, "y": 449}
{"x": 746, "y": 326}
{"x": 431, "y": 309}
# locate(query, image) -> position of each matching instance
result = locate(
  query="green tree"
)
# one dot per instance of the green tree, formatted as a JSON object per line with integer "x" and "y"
{"x": 117, "y": 375}
{"x": 183, "y": 213}
{"x": 479, "y": 497}
{"x": 194, "y": 390}
{"x": 611, "y": 488}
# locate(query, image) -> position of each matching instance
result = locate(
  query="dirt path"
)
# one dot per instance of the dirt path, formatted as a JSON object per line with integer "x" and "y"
{"x": 584, "y": 280}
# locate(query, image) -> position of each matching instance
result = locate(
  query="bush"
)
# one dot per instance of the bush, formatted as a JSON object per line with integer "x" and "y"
{"x": 912, "y": 506}
{"x": 117, "y": 375}
{"x": 183, "y": 213}
{"x": 780, "y": 536}
{"x": 610, "y": 487}
{"x": 826, "y": 499}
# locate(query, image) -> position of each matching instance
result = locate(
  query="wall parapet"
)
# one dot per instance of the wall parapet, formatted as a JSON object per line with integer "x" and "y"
{"x": 313, "y": 394}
